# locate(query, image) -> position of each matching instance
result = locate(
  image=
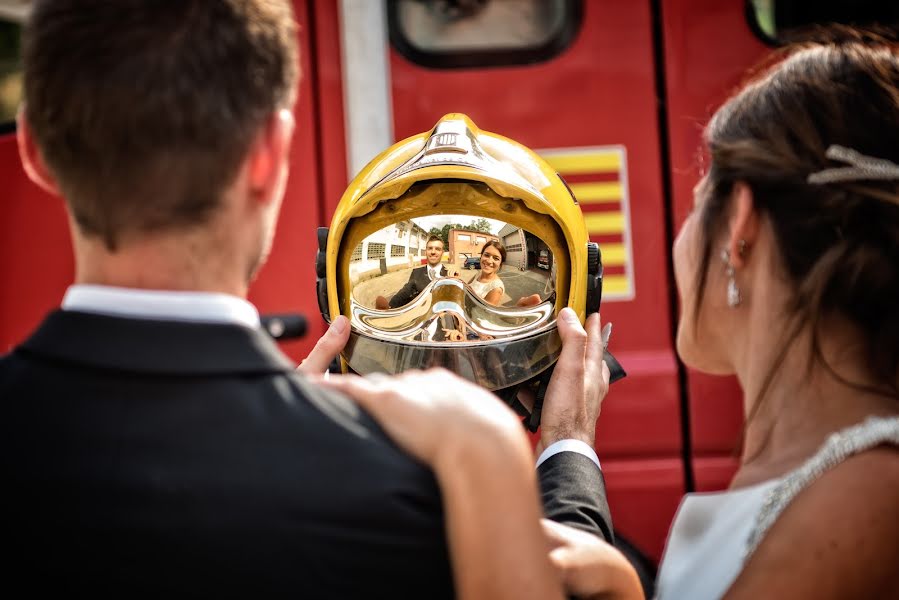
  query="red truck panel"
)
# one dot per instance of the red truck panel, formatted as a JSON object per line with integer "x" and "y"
{"x": 708, "y": 49}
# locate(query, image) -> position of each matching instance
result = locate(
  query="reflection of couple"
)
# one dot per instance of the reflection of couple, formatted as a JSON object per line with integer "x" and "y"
{"x": 486, "y": 285}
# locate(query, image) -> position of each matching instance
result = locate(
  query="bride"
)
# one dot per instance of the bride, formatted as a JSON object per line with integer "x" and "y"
{"x": 488, "y": 284}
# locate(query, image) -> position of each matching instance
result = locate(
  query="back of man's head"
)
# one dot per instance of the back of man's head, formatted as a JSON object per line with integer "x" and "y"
{"x": 143, "y": 110}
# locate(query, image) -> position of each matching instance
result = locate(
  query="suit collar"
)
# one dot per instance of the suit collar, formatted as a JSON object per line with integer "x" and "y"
{"x": 157, "y": 346}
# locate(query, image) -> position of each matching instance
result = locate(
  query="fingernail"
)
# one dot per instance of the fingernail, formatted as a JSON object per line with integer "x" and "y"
{"x": 606, "y": 334}
{"x": 569, "y": 315}
{"x": 339, "y": 324}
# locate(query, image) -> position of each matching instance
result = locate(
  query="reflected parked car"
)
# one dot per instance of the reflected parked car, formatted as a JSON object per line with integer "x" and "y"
{"x": 472, "y": 262}
{"x": 543, "y": 260}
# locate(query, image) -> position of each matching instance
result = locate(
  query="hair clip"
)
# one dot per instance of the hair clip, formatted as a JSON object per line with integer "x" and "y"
{"x": 863, "y": 167}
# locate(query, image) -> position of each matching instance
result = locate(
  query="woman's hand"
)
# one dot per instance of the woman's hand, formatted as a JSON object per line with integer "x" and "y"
{"x": 532, "y": 300}
{"x": 432, "y": 414}
{"x": 589, "y": 567}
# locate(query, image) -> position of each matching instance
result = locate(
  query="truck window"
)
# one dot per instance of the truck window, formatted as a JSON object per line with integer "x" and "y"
{"x": 447, "y": 34}
{"x": 779, "y": 22}
{"x": 11, "y": 16}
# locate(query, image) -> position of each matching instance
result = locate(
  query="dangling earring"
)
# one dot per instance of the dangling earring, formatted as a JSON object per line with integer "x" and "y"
{"x": 733, "y": 292}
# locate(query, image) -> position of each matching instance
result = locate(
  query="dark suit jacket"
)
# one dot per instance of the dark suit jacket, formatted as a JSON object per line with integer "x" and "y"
{"x": 147, "y": 456}
{"x": 418, "y": 280}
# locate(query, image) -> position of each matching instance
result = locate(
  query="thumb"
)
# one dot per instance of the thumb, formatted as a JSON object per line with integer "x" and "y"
{"x": 574, "y": 342}
{"x": 327, "y": 348}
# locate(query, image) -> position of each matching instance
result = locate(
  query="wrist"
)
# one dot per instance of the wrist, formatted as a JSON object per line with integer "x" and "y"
{"x": 551, "y": 436}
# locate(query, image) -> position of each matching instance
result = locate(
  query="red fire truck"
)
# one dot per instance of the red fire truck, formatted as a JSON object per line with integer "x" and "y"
{"x": 614, "y": 94}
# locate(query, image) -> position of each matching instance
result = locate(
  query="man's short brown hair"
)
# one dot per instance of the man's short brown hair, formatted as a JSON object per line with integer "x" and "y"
{"x": 143, "y": 110}
{"x": 436, "y": 238}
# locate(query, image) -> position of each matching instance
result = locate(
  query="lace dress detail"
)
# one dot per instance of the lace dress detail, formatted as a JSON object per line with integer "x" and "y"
{"x": 482, "y": 289}
{"x": 838, "y": 447}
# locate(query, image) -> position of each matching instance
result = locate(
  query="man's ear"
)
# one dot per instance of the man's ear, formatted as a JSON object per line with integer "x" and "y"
{"x": 743, "y": 225}
{"x": 31, "y": 158}
{"x": 269, "y": 154}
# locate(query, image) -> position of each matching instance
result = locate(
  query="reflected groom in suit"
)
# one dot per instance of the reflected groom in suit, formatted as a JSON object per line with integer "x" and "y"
{"x": 419, "y": 278}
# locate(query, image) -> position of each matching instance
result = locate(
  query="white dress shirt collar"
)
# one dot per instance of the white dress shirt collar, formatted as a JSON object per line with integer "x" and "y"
{"x": 166, "y": 305}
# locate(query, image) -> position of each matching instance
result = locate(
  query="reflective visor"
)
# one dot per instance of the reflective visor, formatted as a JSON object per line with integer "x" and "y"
{"x": 449, "y": 326}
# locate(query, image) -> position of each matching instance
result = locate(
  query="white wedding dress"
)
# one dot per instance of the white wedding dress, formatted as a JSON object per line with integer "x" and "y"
{"x": 714, "y": 533}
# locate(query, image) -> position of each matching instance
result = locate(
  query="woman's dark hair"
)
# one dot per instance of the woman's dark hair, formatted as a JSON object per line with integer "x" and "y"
{"x": 839, "y": 241}
{"x": 496, "y": 244}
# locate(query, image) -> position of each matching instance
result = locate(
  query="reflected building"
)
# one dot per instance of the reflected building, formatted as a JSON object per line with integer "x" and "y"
{"x": 524, "y": 250}
{"x": 514, "y": 239}
{"x": 399, "y": 246}
{"x": 467, "y": 242}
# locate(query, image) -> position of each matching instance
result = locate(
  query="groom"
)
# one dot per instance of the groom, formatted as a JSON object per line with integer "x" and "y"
{"x": 419, "y": 278}
{"x": 154, "y": 438}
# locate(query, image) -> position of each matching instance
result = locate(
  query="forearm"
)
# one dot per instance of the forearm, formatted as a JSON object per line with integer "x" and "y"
{"x": 406, "y": 293}
{"x": 492, "y": 519}
{"x": 398, "y": 299}
{"x": 574, "y": 493}
{"x": 494, "y": 297}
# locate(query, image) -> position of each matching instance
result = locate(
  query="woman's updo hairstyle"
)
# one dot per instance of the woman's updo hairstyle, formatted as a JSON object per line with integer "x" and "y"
{"x": 838, "y": 240}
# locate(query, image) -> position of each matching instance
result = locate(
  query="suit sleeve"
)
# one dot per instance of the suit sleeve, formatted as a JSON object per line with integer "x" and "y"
{"x": 406, "y": 293}
{"x": 574, "y": 493}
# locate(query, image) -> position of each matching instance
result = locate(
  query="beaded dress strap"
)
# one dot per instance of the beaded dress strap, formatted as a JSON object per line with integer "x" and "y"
{"x": 838, "y": 447}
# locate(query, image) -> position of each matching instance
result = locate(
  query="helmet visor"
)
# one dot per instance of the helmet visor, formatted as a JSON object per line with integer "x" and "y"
{"x": 450, "y": 325}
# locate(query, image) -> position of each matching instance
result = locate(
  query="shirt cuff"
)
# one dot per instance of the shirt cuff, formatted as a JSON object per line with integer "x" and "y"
{"x": 568, "y": 446}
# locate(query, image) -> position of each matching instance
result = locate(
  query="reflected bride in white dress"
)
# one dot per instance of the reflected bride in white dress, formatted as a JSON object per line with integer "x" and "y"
{"x": 488, "y": 284}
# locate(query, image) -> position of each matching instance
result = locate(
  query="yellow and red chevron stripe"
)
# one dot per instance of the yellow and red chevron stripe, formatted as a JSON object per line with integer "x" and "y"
{"x": 597, "y": 177}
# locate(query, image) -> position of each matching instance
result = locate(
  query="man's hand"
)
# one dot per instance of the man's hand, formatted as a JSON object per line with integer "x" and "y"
{"x": 327, "y": 347}
{"x": 578, "y": 385}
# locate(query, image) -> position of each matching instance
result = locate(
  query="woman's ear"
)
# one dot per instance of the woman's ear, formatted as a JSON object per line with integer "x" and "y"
{"x": 743, "y": 226}
{"x": 31, "y": 158}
